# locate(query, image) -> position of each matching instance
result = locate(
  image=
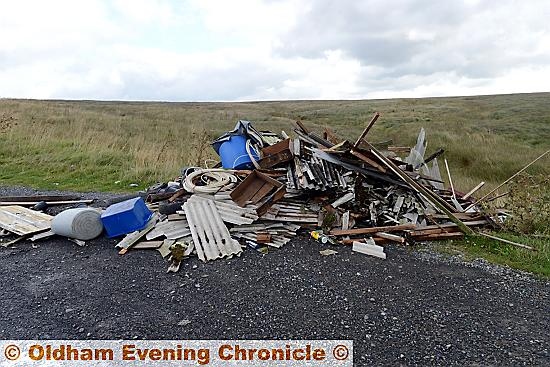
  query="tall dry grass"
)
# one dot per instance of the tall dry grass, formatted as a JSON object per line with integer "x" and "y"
{"x": 91, "y": 145}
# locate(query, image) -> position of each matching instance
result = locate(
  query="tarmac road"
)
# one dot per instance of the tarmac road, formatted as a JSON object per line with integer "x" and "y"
{"x": 415, "y": 308}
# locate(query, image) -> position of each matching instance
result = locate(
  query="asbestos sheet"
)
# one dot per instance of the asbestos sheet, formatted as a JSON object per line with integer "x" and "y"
{"x": 23, "y": 221}
{"x": 229, "y": 211}
{"x": 210, "y": 235}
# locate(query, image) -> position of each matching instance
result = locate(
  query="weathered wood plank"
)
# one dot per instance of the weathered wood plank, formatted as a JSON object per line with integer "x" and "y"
{"x": 23, "y": 221}
{"x": 356, "y": 231}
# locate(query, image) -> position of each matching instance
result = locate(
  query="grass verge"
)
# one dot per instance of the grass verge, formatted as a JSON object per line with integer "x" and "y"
{"x": 473, "y": 247}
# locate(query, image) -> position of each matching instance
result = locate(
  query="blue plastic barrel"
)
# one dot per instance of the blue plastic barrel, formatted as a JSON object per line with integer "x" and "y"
{"x": 233, "y": 153}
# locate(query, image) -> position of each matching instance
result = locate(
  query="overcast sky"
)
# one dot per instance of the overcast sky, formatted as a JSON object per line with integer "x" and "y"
{"x": 202, "y": 50}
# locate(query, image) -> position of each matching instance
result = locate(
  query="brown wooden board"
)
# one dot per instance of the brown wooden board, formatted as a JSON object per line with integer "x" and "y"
{"x": 276, "y": 196}
{"x": 276, "y": 148}
{"x": 50, "y": 203}
{"x": 254, "y": 188}
{"x": 366, "y": 131}
{"x": 262, "y": 192}
{"x": 37, "y": 198}
{"x": 439, "y": 236}
{"x": 356, "y": 231}
{"x": 370, "y": 161}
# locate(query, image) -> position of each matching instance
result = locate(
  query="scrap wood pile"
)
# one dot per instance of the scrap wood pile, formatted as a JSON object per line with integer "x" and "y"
{"x": 267, "y": 187}
{"x": 270, "y": 186}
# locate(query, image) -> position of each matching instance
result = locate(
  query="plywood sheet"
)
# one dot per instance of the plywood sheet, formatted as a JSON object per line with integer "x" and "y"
{"x": 23, "y": 221}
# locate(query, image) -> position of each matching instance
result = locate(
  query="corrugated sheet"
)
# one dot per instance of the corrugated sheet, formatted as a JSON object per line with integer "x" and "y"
{"x": 210, "y": 235}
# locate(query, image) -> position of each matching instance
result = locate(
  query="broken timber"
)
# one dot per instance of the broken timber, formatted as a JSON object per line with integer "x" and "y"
{"x": 23, "y": 221}
{"x": 133, "y": 237}
{"x": 431, "y": 197}
{"x": 365, "y": 132}
{"x": 358, "y": 231}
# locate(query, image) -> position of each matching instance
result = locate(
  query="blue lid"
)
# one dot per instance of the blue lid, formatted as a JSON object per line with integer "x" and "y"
{"x": 122, "y": 206}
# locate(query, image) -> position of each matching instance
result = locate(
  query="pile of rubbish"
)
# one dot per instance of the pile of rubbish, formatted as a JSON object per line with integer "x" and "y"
{"x": 267, "y": 188}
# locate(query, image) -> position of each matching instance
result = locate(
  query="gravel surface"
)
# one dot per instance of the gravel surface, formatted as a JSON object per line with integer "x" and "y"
{"x": 415, "y": 308}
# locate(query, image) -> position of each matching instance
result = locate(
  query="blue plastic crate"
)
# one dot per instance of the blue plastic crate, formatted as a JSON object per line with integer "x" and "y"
{"x": 125, "y": 217}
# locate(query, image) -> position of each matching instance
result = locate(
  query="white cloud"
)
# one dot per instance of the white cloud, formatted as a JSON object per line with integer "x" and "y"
{"x": 146, "y": 11}
{"x": 254, "y": 49}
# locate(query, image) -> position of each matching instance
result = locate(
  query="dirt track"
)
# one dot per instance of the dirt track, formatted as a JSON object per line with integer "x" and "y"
{"x": 415, "y": 308}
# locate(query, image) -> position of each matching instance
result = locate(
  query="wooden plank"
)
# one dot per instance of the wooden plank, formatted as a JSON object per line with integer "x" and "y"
{"x": 439, "y": 236}
{"x": 397, "y": 149}
{"x": 461, "y": 216}
{"x": 250, "y": 191}
{"x": 378, "y": 240}
{"x": 357, "y": 231}
{"x": 275, "y": 159}
{"x": 367, "y": 160}
{"x": 263, "y": 191}
{"x": 250, "y": 187}
{"x": 263, "y": 237}
{"x": 450, "y": 179}
{"x": 274, "y": 197}
{"x": 37, "y": 198}
{"x": 498, "y": 196}
{"x": 330, "y": 135}
{"x": 133, "y": 237}
{"x": 175, "y": 217}
{"x": 148, "y": 245}
{"x": 23, "y": 221}
{"x": 12, "y": 242}
{"x": 391, "y": 237}
{"x": 285, "y": 218}
{"x": 302, "y": 127}
{"x": 365, "y": 132}
{"x": 471, "y": 192}
{"x": 507, "y": 241}
{"x": 426, "y": 232}
{"x": 276, "y": 148}
{"x": 472, "y": 223}
{"x": 32, "y": 203}
{"x": 42, "y": 235}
